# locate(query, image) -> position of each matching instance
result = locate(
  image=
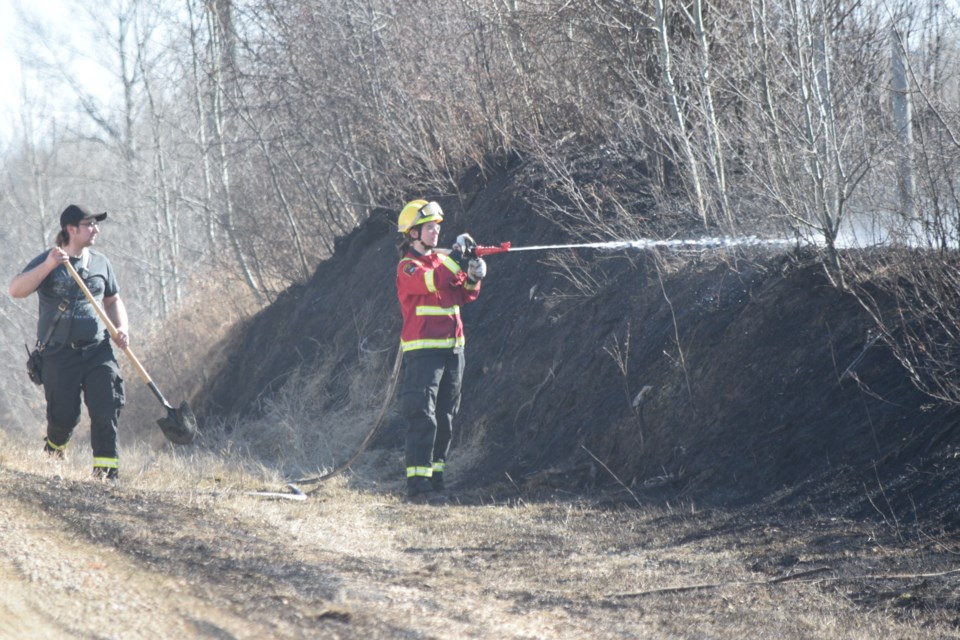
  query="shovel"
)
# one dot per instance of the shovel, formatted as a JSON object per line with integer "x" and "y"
{"x": 179, "y": 425}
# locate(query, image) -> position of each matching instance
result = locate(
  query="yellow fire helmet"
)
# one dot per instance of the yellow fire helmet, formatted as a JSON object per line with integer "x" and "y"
{"x": 417, "y": 212}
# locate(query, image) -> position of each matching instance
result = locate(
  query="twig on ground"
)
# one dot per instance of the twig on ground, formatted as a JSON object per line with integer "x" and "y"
{"x": 786, "y": 578}
{"x": 613, "y": 475}
{"x": 515, "y": 486}
{"x": 717, "y": 585}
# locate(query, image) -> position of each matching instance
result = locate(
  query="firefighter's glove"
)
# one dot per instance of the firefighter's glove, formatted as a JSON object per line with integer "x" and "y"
{"x": 465, "y": 245}
{"x": 462, "y": 251}
{"x": 476, "y": 270}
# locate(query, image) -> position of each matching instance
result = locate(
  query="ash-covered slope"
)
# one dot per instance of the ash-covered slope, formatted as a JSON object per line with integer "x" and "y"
{"x": 718, "y": 377}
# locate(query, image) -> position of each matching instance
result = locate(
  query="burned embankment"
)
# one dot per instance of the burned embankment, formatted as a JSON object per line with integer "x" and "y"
{"x": 726, "y": 376}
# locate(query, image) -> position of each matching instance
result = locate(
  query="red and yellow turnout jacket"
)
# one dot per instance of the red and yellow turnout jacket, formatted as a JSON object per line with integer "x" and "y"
{"x": 431, "y": 289}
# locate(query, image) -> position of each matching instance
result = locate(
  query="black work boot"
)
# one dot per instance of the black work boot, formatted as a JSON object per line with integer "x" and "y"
{"x": 106, "y": 474}
{"x": 436, "y": 481}
{"x": 417, "y": 486}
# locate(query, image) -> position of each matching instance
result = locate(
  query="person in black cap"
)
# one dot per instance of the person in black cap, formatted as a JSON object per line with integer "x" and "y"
{"x": 78, "y": 359}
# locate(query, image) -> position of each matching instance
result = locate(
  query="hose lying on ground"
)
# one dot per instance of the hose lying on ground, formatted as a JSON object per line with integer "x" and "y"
{"x": 394, "y": 376}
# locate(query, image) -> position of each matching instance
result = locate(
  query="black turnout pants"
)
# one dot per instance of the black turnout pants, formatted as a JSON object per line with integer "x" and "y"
{"x": 430, "y": 398}
{"x": 93, "y": 372}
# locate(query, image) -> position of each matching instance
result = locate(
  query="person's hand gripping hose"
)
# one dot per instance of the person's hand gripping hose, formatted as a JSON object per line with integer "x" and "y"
{"x": 476, "y": 269}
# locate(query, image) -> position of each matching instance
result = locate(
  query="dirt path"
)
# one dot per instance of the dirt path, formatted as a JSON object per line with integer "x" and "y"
{"x": 57, "y": 584}
{"x": 17, "y": 613}
{"x": 82, "y": 560}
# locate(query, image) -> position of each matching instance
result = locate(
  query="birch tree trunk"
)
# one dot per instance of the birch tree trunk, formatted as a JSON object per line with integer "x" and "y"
{"x": 202, "y": 140}
{"x": 38, "y": 178}
{"x": 715, "y": 153}
{"x": 903, "y": 124}
{"x": 814, "y": 89}
{"x": 223, "y": 60}
{"x": 673, "y": 104}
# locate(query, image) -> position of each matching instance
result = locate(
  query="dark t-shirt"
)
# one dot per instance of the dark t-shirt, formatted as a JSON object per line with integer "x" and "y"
{"x": 80, "y": 322}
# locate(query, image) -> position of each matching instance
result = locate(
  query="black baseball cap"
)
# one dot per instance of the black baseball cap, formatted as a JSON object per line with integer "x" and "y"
{"x": 75, "y": 214}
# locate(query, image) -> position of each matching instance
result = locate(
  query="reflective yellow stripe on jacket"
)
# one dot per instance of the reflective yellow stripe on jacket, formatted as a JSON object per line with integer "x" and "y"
{"x": 450, "y": 263}
{"x": 437, "y": 343}
{"x": 429, "y": 310}
{"x": 428, "y": 280}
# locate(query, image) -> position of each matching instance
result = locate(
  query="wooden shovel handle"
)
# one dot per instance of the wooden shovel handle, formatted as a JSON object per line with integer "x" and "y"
{"x": 103, "y": 316}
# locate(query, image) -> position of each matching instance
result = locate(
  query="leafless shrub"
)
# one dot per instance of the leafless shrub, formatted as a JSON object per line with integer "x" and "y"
{"x": 621, "y": 357}
{"x": 584, "y": 283}
{"x": 914, "y": 297}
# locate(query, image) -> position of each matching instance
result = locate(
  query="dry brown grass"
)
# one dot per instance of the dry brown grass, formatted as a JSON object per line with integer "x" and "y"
{"x": 182, "y": 351}
{"x": 355, "y": 560}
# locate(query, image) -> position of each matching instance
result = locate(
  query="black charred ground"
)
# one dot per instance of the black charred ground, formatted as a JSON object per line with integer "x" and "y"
{"x": 725, "y": 377}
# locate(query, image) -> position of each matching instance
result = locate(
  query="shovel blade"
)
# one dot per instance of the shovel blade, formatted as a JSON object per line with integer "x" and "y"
{"x": 179, "y": 425}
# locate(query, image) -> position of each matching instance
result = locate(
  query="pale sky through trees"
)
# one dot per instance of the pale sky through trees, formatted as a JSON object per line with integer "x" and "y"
{"x": 17, "y": 40}
{"x": 9, "y": 68}
{"x": 64, "y": 21}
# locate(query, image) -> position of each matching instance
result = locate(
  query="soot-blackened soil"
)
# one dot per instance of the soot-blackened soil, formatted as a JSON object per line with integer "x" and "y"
{"x": 723, "y": 377}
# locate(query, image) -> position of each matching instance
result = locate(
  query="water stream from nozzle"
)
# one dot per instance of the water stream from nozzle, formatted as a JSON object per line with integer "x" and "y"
{"x": 647, "y": 243}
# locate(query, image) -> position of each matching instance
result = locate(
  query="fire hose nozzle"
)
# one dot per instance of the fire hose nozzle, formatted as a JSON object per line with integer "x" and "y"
{"x": 479, "y": 251}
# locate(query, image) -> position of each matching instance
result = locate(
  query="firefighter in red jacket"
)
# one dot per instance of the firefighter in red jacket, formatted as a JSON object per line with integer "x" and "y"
{"x": 431, "y": 285}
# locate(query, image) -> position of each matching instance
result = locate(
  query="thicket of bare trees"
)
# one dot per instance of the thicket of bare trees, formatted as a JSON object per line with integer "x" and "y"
{"x": 241, "y": 138}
